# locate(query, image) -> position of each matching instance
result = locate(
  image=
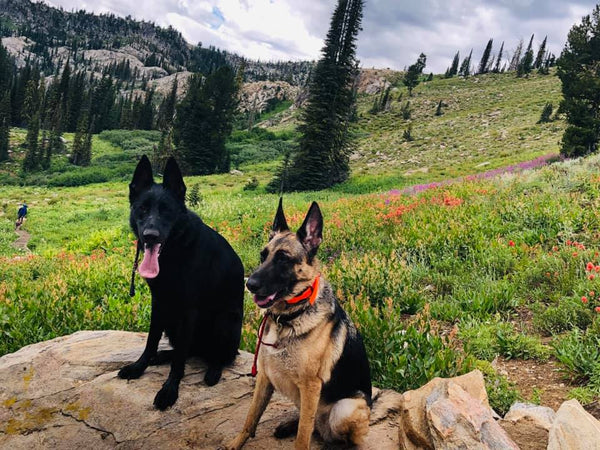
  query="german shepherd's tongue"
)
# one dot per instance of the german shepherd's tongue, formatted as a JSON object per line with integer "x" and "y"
{"x": 149, "y": 267}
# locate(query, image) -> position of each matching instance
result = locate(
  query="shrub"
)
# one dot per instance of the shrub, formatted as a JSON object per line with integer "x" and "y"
{"x": 502, "y": 393}
{"x": 251, "y": 185}
{"x": 579, "y": 352}
{"x": 546, "y": 113}
{"x": 568, "y": 314}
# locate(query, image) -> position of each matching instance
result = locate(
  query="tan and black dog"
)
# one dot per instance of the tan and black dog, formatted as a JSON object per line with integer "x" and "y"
{"x": 308, "y": 348}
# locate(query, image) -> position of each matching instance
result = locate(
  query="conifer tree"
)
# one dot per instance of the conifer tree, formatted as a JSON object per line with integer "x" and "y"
{"x": 483, "y": 64}
{"x": 579, "y": 71}
{"x": 453, "y": 69}
{"x": 465, "y": 67}
{"x": 32, "y": 157}
{"x": 499, "y": 59}
{"x": 4, "y": 124}
{"x": 516, "y": 58}
{"x": 322, "y": 157}
{"x": 413, "y": 74}
{"x": 526, "y": 63}
{"x": 541, "y": 55}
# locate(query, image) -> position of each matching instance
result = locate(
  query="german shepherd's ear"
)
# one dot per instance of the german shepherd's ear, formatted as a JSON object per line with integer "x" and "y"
{"x": 142, "y": 179}
{"x": 311, "y": 231}
{"x": 279, "y": 223}
{"x": 173, "y": 180}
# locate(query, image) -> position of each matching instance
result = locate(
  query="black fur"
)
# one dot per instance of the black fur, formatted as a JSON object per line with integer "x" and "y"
{"x": 197, "y": 297}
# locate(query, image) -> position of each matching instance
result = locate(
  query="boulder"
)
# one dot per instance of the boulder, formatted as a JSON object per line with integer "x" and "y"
{"x": 450, "y": 413}
{"x": 65, "y": 394}
{"x": 574, "y": 429}
{"x": 528, "y": 425}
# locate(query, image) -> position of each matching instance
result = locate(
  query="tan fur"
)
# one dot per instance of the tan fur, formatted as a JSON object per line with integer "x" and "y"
{"x": 298, "y": 367}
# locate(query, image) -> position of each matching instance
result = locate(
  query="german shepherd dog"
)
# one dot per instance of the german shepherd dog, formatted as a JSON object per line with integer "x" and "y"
{"x": 195, "y": 277}
{"x": 311, "y": 351}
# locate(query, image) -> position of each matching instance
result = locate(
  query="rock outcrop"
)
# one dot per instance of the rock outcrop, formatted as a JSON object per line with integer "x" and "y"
{"x": 574, "y": 429}
{"x": 528, "y": 425}
{"x": 65, "y": 394}
{"x": 450, "y": 413}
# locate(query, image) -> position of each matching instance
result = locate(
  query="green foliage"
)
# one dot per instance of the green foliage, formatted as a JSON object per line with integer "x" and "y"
{"x": 204, "y": 120}
{"x": 251, "y": 185}
{"x": 579, "y": 352}
{"x": 413, "y": 75}
{"x": 502, "y": 393}
{"x": 579, "y": 71}
{"x": 567, "y": 314}
{"x": 407, "y": 135}
{"x": 194, "y": 197}
{"x": 484, "y": 64}
{"x": 546, "y": 115}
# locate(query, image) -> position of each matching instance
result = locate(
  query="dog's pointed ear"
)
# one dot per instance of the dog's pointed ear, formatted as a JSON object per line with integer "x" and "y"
{"x": 311, "y": 231}
{"x": 173, "y": 180}
{"x": 279, "y": 223}
{"x": 142, "y": 179}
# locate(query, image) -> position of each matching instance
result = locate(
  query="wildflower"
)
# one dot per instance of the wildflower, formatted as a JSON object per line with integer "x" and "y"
{"x": 589, "y": 267}
{"x": 597, "y": 268}
{"x": 592, "y": 276}
{"x": 574, "y": 254}
{"x": 548, "y": 274}
{"x": 511, "y": 243}
{"x": 555, "y": 248}
{"x": 592, "y": 293}
{"x": 584, "y": 299}
{"x": 568, "y": 242}
{"x": 596, "y": 254}
{"x": 597, "y": 308}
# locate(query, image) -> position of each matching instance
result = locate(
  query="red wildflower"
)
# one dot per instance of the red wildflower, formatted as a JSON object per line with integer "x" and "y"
{"x": 555, "y": 248}
{"x": 511, "y": 243}
{"x": 592, "y": 276}
{"x": 592, "y": 293}
{"x": 584, "y": 299}
{"x": 568, "y": 242}
{"x": 589, "y": 267}
{"x": 597, "y": 308}
{"x": 574, "y": 254}
{"x": 597, "y": 268}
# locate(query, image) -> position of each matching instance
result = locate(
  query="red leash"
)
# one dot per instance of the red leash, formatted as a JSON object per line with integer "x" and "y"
{"x": 310, "y": 293}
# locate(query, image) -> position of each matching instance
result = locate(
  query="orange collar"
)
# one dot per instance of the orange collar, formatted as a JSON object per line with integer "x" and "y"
{"x": 310, "y": 293}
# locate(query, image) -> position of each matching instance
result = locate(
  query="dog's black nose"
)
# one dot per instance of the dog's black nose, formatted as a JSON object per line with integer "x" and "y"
{"x": 253, "y": 284}
{"x": 150, "y": 235}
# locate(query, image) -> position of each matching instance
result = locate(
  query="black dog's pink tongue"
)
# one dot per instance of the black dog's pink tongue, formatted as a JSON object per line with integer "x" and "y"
{"x": 149, "y": 267}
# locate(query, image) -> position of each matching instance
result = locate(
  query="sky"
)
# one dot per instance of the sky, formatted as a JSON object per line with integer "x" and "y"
{"x": 394, "y": 32}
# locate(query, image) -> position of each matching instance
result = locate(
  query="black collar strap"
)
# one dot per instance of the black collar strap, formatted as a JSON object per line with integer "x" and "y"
{"x": 285, "y": 319}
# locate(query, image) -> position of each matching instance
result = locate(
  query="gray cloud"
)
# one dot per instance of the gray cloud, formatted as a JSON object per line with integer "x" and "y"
{"x": 394, "y": 31}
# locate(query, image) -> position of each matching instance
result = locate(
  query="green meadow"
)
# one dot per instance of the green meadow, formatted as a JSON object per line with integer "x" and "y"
{"x": 452, "y": 277}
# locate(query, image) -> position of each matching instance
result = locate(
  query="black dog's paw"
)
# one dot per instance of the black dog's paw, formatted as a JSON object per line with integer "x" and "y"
{"x": 166, "y": 397}
{"x": 286, "y": 429}
{"x": 212, "y": 376}
{"x": 132, "y": 371}
{"x": 161, "y": 357}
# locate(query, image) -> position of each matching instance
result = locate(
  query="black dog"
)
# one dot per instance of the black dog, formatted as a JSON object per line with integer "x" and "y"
{"x": 196, "y": 280}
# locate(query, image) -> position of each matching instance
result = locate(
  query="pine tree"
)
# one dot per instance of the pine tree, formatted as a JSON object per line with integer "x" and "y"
{"x": 167, "y": 108}
{"x": 465, "y": 67}
{"x": 453, "y": 69}
{"x": 526, "y": 63}
{"x": 579, "y": 71}
{"x": 516, "y": 58}
{"x": 499, "y": 59}
{"x": 438, "y": 111}
{"x": 4, "y": 125}
{"x": 32, "y": 158}
{"x": 541, "y": 55}
{"x": 413, "y": 74}
{"x": 483, "y": 64}
{"x": 323, "y": 154}
{"x": 203, "y": 121}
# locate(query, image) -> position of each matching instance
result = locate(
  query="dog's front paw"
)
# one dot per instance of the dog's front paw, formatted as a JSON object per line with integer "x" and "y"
{"x": 212, "y": 376}
{"x": 166, "y": 397}
{"x": 132, "y": 371}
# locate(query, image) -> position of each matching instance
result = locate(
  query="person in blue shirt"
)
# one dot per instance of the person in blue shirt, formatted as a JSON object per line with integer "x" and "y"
{"x": 21, "y": 215}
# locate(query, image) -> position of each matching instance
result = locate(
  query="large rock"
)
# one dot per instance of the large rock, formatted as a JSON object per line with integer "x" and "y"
{"x": 528, "y": 425}
{"x": 65, "y": 394}
{"x": 450, "y": 413}
{"x": 574, "y": 429}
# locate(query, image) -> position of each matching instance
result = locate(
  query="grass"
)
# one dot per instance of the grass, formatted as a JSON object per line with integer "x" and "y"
{"x": 435, "y": 278}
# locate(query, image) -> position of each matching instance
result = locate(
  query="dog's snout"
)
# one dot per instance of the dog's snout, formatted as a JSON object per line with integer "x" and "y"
{"x": 253, "y": 284}
{"x": 151, "y": 235}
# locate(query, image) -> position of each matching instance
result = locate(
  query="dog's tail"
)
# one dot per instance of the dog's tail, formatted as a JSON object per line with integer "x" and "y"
{"x": 349, "y": 420}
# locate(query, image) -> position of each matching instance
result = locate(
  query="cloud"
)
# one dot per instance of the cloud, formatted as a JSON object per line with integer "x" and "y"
{"x": 394, "y": 32}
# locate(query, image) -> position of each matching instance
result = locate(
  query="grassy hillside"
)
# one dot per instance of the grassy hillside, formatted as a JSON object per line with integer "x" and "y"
{"x": 438, "y": 281}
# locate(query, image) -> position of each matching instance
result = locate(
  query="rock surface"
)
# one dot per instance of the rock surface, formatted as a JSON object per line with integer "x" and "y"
{"x": 65, "y": 393}
{"x": 450, "y": 413}
{"x": 528, "y": 425}
{"x": 574, "y": 429}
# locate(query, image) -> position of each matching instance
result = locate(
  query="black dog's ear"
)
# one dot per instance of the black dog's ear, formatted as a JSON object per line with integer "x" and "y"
{"x": 311, "y": 231}
{"x": 173, "y": 180}
{"x": 279, "y": 223}
{"x": 142, "y": 179}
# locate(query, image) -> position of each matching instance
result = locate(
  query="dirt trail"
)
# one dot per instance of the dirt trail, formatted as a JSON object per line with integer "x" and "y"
{"x": 21, "y": 242}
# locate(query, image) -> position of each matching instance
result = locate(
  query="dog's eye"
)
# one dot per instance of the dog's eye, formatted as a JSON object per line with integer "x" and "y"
{"x": 282, "y": 257}
{"x": 263, "y": 255}
{"x": 144, "y": 209}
